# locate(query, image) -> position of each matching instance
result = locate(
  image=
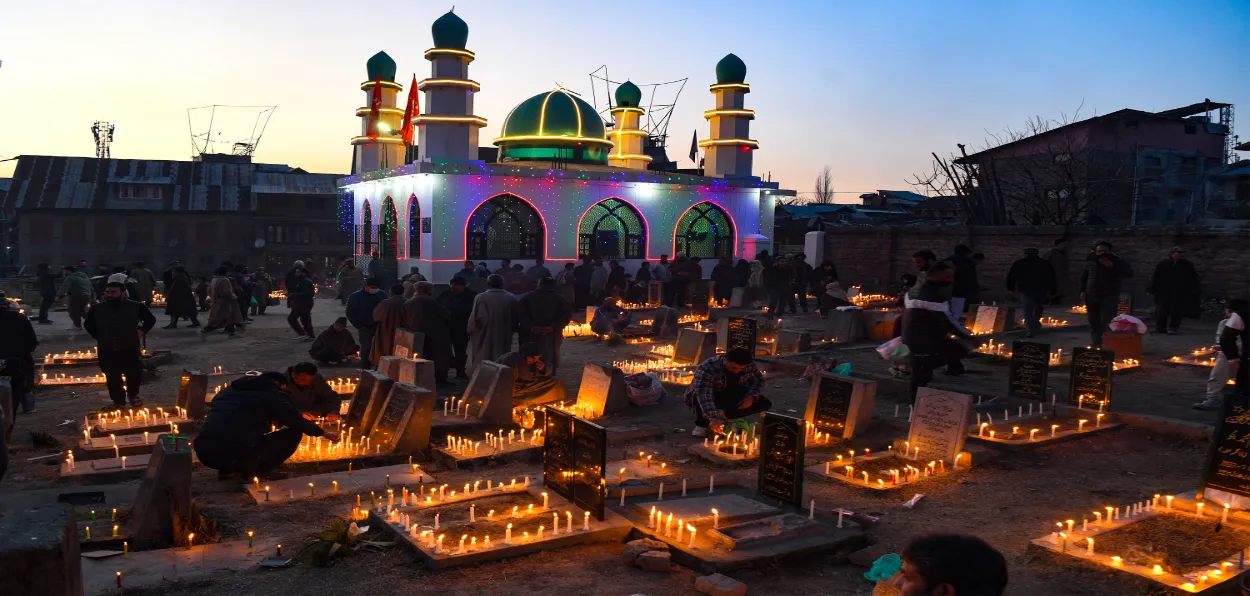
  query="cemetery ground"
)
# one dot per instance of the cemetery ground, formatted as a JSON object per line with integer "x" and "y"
{"x": 1008, "y": 498}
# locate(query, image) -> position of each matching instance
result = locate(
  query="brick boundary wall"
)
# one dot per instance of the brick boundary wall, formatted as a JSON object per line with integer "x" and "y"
{"x": 875, "y": 256}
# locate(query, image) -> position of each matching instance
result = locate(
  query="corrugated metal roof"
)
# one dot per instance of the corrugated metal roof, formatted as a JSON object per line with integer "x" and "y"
{"x": 58, "y": 182}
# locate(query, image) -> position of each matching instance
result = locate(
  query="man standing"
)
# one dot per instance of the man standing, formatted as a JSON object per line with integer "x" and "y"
{"x": 780, "y": 281}
{"x": 262, "y": 285}
{"x": 469, "y": 277}
{"x": 538, "y": 271}
{"x": 118, "y": 326}
{"x": 378, "y": 269}
{"x": 238, "y": 438}
{"x": 224, "y": 309}
{"x": 660, "y": 273}
{"x": 923, "y": 260}
{"x": 1058, "y": 258}
{"x": 966, "y": 288}
{"x": 47, "y": 292}
{"x": 542, "y": 316}
{"x": 1100, "y": 288}
{"x": 681, "y": 273}
{"x": 1176, "y": 288}
{"x": 725, "y": 387}
{"x": 17, "y": 361}
{"x": 180, "y": 299}
{"x": 533, "y": 379}
{"x": 423, "y": 314}
{"x": 310, "y": 393}
{"x": 145, "y": 283}
{"x": 581, "y": 284}
{"x": 335, "y": 344}
{"x": 598, "y": 281}
{"x": 458, "y": 301}
{"x": 388, "y": 316}
{"x": 802, "y": 276}
{"x": 350, "y": 280}
{"x": 301, "y": 297}
{"x": 505, "y": 266}
{"x": 492, "y": 322}
{"x": 77, "y": 287}
{"x": 167, "y": 276}
{"x": 1033, "y": 280}
{"x": 516, "y": 281}
{"x": 360, "y": 306}
{"x": 927, "y": 325}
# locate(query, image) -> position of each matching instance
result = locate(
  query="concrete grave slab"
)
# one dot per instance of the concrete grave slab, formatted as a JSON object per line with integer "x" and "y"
{"x": 603, "y": 391}
{"x": 355, "y": 482}
{"x": 844, "y": 326}
{"x": 163, "y": 505}
{"x": 764, "y": 531}
{"x": 374, "y": 400}
{"x": 490, "y": 393}
{"x": 693, "y": 346}
{"x": 403, "y": 424}
{"x": 400, "y": 370}
{"x": 161, "y": 567}
{"x": 39, "y": 551}
{"x": 939, "y": 423}
{"x": 792, "y": 342}
{"x": 728, "y": 455}
{"x": 731, "y": 509}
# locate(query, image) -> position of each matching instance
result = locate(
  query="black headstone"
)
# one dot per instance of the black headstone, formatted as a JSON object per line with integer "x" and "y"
{"x": 699, "y": 306}
{"x": 1228, "y": 461}
{"x": 740, "y": 334}
{"x": 558, "y": 453}
{"x": 393, "y": 416}
{"x": 1091, "y": 376}
{"x": 782, "y": 450}
{"x": 830, "y": 407}
{"x": 655, "y": 293}
{"x": 1030, "y": 367}
{"x": 372, "y": 384}
{"x": 590, "y": 452}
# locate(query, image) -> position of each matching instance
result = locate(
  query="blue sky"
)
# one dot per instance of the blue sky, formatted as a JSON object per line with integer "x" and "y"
{"x": 867, "y": 88}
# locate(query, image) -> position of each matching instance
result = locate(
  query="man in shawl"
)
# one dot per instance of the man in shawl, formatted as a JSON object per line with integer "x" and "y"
{"x": 180, "y": 299}
{"x": 335, "y": 344}
{"x": 425, "y": 315}
{"x": 224, "y": 311}
{"x": 145, "y": 282}
{"x": 492, "y": 322}
{"x": 533, "y": 379}
{"x": 388, "y": 316}
{"x": 542, "y": 316}
{"x": 458, "y": 300}
{"x": 351, "y": 278}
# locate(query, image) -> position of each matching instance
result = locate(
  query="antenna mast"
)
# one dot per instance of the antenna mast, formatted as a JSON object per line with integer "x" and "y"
{"x": 103, "y": 133}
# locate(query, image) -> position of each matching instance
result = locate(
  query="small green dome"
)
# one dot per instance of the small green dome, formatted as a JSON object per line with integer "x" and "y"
{"x": 450, "y": 31}
{"x": 381, "y": 65}
{"x": 555, "y": 125}
{"x": 628, "y": 95}
{"x": 731, "y": 69}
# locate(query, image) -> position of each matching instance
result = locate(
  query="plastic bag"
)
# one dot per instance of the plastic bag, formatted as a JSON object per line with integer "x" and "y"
{"x": 1128, "y": 323}
{"x": 894, "y": 350}
{"x": 645, "y": 389}
{"x": 843, "y": 369}
{"x": 884, "y": 567}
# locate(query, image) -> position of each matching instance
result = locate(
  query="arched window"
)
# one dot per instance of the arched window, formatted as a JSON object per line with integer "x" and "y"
{"x": 388, "y": 232}
{"x": 364, "y": 230}
{"x": 704, "y": 231}
{"x": 504, "y": 227}
{"x": 414, "y": 228}
{"x": 612, "y": 229}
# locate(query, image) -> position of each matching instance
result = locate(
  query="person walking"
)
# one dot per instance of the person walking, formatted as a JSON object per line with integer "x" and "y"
{"x": 47, "y": 292}
{"x": 145, "y": 283}
{"x": 119, "y": 325}
{"x": 1229, "y": 337}
{"x": 388, "y": 317}
{"x": 302, "y": 298}
{"x": 423, "y": 314}
{"x": 598, "y": 281}
{"x": 1032, "y": 279}
{"x": 1058, "y": 258}
{"x": 262, "y": 285}
{"x": 927, "y": 327}
{"x": 224, "y": 308}
{"x": 243, "y": 289}
{"x": 458, "y": 300}
{"x": 77, "y": 289}
{"x": 360, "y": 307}
{"x": 350, "y": 280}
{"x": 1176, "y": 287}
{"x": 541, "y": 318}
{"x": 1101, "y": 281}
{"x": 180, "y": 300}
{"x": 492, "y": 322}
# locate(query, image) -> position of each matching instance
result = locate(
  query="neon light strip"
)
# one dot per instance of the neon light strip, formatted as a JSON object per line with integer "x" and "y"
{"x": 521, "y": 138}
{"x": 391, "y": 111}
{"x": 380, "y": 139}
{"x": 477, "y": 120}
{"x": 542, "y": 115}
{"x": 576, "y": 110}
{"x": 646, "y": 226}
{"x": 646, "y": 158}
{"x": 743, "y": 86}
{"x": 422, "y": 84}
{"x": 627, "y": 109}
{"x": 449, "y": 52}
{"x": 728, "y": 215}
{"x": 713, "y": 113}
{"x": 721, "y": 142}
{"x": 367, "y": 85}
{"x": 628, "y": 132}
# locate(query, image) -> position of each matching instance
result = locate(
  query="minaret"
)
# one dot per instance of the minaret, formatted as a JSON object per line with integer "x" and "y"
{"x": 388, "y": 150}
{"x": 448, "y": 128}
{"x": 627, "y": 135}
{"x": 728, "y": 149}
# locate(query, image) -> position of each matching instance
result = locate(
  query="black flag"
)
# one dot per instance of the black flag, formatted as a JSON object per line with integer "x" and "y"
{"x": 694, "y": 147}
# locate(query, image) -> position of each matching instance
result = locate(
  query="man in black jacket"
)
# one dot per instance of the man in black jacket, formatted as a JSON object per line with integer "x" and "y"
{"x": 301, "y": 299}
{"x": 458, "y": 301}
{"x": 1176, "y": 288}
{"x": 236, "y": 438}
{"x": 1100, "y": 288}
{"x": 1033, "y": 280}
{"x": 118, "y": 326}
{"x": 779, "y": 279}
{"x": 17, "y": 344}
{"x": 966, "y": 287}
{"x": 360, "y": 307}
{"x": 310, "y": 393}
{"x": 47, "y": 292}
{"x": 927, "y": 327}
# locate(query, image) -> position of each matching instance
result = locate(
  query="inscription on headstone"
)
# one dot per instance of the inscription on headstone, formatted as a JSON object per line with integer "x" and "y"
{"x": 360, "y": 399}
{"x": 939, "y": 424}
{"x": 791, "y": 342}
{"x": 987, "y": 320}
{"x": 839, "y": 405}
{"x": 1228, "y": 461}
{"x": 1090, "y": 381}
{"x": 490, "y": 391}
{"x": 590, "y": 453}
{"x": 191, "y": 393}
{"x": 737, "y": 332}
{"x": 782, "y": 450}
{"x": 408, "y": 344}
{"x": 399, "y": 369}
{"x": 558, "y": 453}
{"x": 403, "y": 425}
{"x": 1030, "y": 369}
{"x": 655, "y": 293}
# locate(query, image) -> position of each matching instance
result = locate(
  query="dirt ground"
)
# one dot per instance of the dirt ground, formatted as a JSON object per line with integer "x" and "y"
{"x": 1008, "y": 501}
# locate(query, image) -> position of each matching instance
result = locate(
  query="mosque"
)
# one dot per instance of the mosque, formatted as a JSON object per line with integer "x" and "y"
{"x": 564, "y": 184}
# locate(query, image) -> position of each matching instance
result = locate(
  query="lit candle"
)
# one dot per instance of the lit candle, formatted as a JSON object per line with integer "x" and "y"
{"x": 1157, "y": 570}
{"x": 267, "y": 496}
{"x": 1053, "y": 428}
{"x": 190, "y": 540}
{"x": 715, "y": 519}
{"x": 1224, "y": 518}
{"x": 1169, "y": 499}
{"x": 544, "y": 501}
{"x": 250, "y": 534}
{"x": 1080, "y": 425}
{"x": 651, "y": 518}
{"x": 126, "y": 550}
{"x": 119, "y": 580}
{"x": 507, "y": 536}
{"x": 1089, "y": 546}
{"x": 586, "y": 520}
{"x": 1033, "y": 434}
{"x": 1199, "y": 507}
{"x": 115, "y": 526}
{"x": 692, "y": 535}
{"x": 568, "y": 518}
{"x": 1063, "y": 540}
{"x": 1115, "y": 561}
{"x": 1070, "y": 524}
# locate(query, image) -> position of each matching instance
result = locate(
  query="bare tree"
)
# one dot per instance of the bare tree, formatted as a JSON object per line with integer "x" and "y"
{"x": 824, "y": 188}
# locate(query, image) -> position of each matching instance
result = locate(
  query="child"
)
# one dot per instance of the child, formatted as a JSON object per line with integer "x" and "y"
{"x": 1228, "y": 358}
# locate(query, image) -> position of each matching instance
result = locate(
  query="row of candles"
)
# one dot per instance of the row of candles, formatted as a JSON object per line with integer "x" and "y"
{"x": 142, "y": 417}
{"x": 469, "y": 544}
{"x": 497, "y": 441}
{"x": 1015, "y": 430}
{"x": 1104, "y": 519}
{"x": 436, "y": 495}
{"x": 1199, "y": 357}
{"x": 663, "y": 368}
{"x": 908, "y": 472}
{"x": 68, "y": 357}
{"x": 453, "y": 406}
{"x": 343, "y": 386}
{"x": 63, "y": 379}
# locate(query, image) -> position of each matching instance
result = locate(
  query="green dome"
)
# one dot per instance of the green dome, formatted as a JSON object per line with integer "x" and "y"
{"x": 555, "y": 125}
{"x": 628, "y": 95}
{"x": 381, "y": 65}
{"x": 730, "y": 69}
{"x": 450, "y": 31}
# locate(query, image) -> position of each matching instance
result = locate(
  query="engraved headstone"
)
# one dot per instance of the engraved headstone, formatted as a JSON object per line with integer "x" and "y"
{"x": 939, "y": 424}
{"x": 399, "y": 369}
{"x": 590, "y": 462}
{"x": 191, "y": 393}
{"x": 655, "y": 293}
{"x": 693, "y": 346}
{"x": 558, "y": 452}
{"x": 1030, "y": 369}
{"x": 844, "y": 326}
{"x": 664, "y": 323}
{"x": 792, "y": 342}
{"x": 408, "y": 344}
{"x": 1228, "y": 461}
{"x": 986, "y": 320}
{"x": 736, "y": 332}
{"x": 490, "y": 391}
{"x": 782, "y": 451}
{"x": 1090, "y": 377}
{"x": 403, "y": 424}
{"x": 603, "y": 390}
{"x": 839, "y": 405}
{"x": 367, "y": 400}
{"x": 162, "y": 506}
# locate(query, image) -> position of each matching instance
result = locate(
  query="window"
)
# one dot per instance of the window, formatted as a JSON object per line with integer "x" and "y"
{"x": 612, "y": 229}
{"x": 505, "y": 227}
{"x": 139, "y": 191}
{"x": 705, "y": 231}
{"x": 388, "y": 231}
{"x": 414, "y": 227}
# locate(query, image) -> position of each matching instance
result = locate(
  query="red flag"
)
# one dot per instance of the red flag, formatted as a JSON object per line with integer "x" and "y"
{"x": 375, "y": 109}
{"x": 413, "y": 110}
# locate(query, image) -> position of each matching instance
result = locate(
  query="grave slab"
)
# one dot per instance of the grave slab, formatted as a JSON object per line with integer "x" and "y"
{"x": 119, "y": 428}
{"x": 880, "y": 479}
{"x": 367, "y": 401}
{"x": 399, "y": 369}
{"x": 355, "y": 482}
{"x": 844, "y": 326}
{"x": 723, "y": 454}
{"x": 490, "y": 393}
{"x": 939, "y": 423}
{"x": 693, "y": 346}
{"x": 697, "y": 510}
{"x": 403, "y": 422}
{"x": 408, "y": 344}
{"x": 792, "y": 342}
{"x": 603, "y": 391}
{"x": 102, "y": 447}
{"x": 105, "y": 470}
{"x": 838, "y": 405}
{"x": 1016, "y": 433}
{"x": 162, "y": 506}
{"x": 39, "y": 551}
{"x": 155, "y": 568}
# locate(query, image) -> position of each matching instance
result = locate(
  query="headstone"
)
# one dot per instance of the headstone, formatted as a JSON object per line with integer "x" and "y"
{"x": 987, "y": 319}
{"x": 424, "y": 377}
{"x": 408, "y": 344}
{"x": 939, "y": 424}
{"x": 693, "y": 346}
{"x": 838, "y": 405}
{"x": 490, "y": 390}
{"x": 699, "y": 300}
{"x": 736, "y": 297}
{"x": 1090, "y": 380}
{"x": 782, "y": 450}
{"x": 1228, "y": 460}
{"x": 1030, "y": 368}
{"x": 6, "y": 412}
{"x": 590, "y": 462}
{"x": 792, "y": 342}
{"x": 736, "y": 332}
{"x": 879, "y": 324}
{"x": 399, "y": 369}
{"x": 655, "y": 293}
{"x": 664, "y": 323}
{"x": 191, "y": 393}
{"x": 558, "y": 453}
{"x": 39, "y": 551}
{"x": 162, "y": 507}
{"x": 1124, "y": 306}
{"x": 403, "y": 424}
{"x": 367, "y": 400}
{"x": 603, "y": 390}
{"x": 844, "y": 326}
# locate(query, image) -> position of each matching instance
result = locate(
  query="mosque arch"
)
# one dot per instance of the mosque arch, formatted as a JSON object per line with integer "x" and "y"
{"x": 365, "y": 229}
{"x": 612, "y": 229}
{"x": 705, "y": 231}
{"x": 414, "y": 228}
{"x": 505, "y": 227}
{"x": 388, "y": 231}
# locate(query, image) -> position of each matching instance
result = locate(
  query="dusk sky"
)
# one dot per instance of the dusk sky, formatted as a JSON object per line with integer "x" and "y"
{"x": 867, "y": 88}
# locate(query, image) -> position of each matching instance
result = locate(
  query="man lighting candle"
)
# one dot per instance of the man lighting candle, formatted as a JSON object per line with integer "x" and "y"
{"x": 310, "y": 392}
{"x": 724, "y": 388}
